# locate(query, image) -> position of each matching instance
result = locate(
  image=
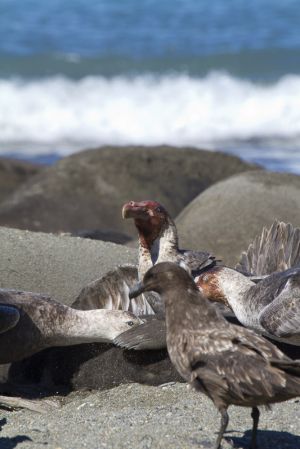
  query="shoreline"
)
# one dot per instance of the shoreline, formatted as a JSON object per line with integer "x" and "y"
{"x": 272, "y": 157}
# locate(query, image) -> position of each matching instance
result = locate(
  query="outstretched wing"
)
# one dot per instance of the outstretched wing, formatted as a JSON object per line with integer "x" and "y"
{"x": 276, "y": 249}
{"x": 112, "y": 292}
{"x": 282, "y": 317}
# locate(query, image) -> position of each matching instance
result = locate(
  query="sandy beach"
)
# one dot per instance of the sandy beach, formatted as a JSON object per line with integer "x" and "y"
{"x": 143, "y": 417}
{"x": 131, "y": 415}
{"x": 194, "y": 105}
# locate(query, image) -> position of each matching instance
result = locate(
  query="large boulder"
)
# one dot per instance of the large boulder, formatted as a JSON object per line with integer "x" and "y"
{"x": 57, "y": 265}
{"x": 13, "y": 174}
{"x": 227, "y": 216}
{"x": 87, "y": 190}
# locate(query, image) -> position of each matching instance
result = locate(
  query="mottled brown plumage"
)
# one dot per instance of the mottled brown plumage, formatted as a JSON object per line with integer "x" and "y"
{"x": 228, "y": 363}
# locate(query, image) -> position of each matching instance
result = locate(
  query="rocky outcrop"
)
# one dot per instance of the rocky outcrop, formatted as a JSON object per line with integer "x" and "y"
{"x": 13, "y": 174}
{"x": 227, "y": 216}
{"x": 87, "y": 190}
{"x": 57, "y": 265}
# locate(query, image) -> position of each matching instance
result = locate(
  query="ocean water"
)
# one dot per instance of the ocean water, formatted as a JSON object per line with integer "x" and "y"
{"x": 215, "y": 74}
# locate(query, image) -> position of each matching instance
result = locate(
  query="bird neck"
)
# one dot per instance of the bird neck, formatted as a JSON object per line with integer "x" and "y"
{"x": 168, "y": 244}
{"x": 236, "y": 289}
{"x": 83, "y": 326}
{"x": 157, "y": 247}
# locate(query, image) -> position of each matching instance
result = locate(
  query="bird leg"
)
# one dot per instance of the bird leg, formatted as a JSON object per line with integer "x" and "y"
{"x": 255, "y": 417}
{"x": 224, "y": 424}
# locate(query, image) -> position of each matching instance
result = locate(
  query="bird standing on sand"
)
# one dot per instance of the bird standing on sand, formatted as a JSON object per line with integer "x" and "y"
{"x": 230, "y": 364}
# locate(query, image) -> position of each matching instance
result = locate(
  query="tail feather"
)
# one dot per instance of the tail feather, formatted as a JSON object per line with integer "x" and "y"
{"x": 291, "y": 367}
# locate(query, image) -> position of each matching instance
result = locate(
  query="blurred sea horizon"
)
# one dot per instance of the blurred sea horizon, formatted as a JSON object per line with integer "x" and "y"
{"x": 216, "y": 75}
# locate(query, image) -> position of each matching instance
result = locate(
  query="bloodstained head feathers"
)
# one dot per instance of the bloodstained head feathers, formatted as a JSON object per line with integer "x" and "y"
{"x": 208, "y": 284}
{"x": 150, "y": 218}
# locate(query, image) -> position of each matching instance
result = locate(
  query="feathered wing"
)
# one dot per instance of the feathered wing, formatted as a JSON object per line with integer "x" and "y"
{"x": 112, "y": 292}
{"x": 238, "y": 368}
{"x": 281, "y": 317}
{"x": 197, "y": 260}
{"x": 150, "y": 335}
{"x": 276, "y": 249}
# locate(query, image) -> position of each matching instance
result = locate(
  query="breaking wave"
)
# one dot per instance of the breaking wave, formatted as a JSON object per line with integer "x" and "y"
{"x": 146, "y": 109}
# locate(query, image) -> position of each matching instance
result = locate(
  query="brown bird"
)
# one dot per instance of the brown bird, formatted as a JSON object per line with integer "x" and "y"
{"x": 158, "y": 238}
{"x": 230, "y": 364}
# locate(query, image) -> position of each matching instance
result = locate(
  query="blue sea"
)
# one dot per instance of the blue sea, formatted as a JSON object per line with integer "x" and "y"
{"x": 218, "y": 74}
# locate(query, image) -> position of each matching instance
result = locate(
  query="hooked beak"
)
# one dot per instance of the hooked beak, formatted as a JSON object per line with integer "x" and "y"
{"x": 137, "y": 290}
{"x": 134, "y": 210}
{"x": 126, "y": 211}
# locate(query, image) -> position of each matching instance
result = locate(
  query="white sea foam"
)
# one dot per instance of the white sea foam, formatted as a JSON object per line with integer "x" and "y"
{"x": 178, "y": 110}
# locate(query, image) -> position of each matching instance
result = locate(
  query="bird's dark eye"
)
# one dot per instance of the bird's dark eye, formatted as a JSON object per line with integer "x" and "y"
{"x": 158, "y": 209}
{"x": 130, "y": 323}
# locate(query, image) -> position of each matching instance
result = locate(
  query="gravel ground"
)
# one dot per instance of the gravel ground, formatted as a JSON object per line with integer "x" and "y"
{"x": 142, "y": 417}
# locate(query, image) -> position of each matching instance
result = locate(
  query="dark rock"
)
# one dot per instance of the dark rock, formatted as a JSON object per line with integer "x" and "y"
{"x": 13, "y": 174}
{"x": 227, "y": 216}
{"x": 87, "y": 190}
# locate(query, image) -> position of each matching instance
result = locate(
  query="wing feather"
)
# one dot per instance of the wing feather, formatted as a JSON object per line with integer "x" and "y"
{"x": 235, "y": 363}
{"x": 112, "y": 292}
{"x": 150, "y": 335}
{"x": 282, "y": 317}
{"x": 276, "y": 249}
{"x": 197, "y": 260}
